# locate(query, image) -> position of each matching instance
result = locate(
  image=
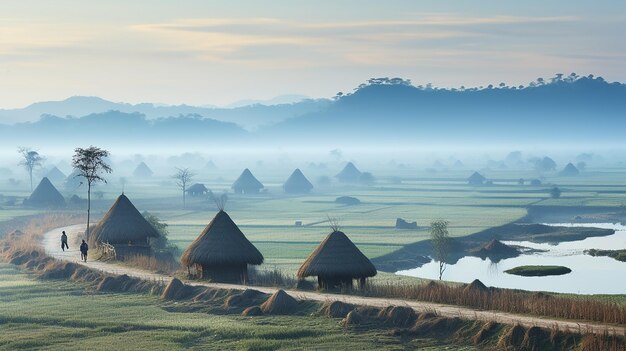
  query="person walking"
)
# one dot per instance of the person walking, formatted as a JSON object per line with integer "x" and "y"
{"x": 64, "y": 241}
{"x": 83, "y": 251}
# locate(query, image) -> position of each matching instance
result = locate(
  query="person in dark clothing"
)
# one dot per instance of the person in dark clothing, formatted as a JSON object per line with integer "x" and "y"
{"x": 83, "y": 251}
{"x": 64, "y": 242}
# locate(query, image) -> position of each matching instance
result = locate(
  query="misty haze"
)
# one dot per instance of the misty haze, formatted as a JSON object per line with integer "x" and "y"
{"x": 321, "y": 176}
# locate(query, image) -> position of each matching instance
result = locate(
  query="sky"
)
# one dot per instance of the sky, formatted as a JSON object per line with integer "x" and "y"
{"x": 219, "y": 52}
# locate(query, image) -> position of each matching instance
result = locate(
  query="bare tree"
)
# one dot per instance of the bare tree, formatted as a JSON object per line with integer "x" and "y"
{"x": 441, "y": 243}
{"x": 30, "y": 160}
{"x": 90, "y": 163}
{"x": 183, "y": 177}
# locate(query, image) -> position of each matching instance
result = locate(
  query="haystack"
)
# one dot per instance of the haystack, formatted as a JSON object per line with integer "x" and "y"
{"x": 222, "y": 251}
{"x": 349, "y": 174}
{"x": 336, "y": 262}
{"x": 252, "y": 311}
{"x": 177, "y": 290}
{"x": 476, "y": 285}
{"x": 337, "y": 309}
{"x": 142, "y": 170}
{"x": 55, "y": 175}
{"x": 197, "y": 189}
{"x": 280, "y": 303}
{"x": 297, "y": 183}
{"x": 247, "y": 183}
{"x": 247, "y": 298}
{"x": 569, "y": 171}
{"x": 397, "y": 316}
{"x": 476, "y": 179}
{"x": 124, "y": 228}
{"x": 45, "y": 196}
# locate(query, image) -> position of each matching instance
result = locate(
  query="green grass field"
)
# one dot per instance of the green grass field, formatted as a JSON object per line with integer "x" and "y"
{"x": 59, "y": 315}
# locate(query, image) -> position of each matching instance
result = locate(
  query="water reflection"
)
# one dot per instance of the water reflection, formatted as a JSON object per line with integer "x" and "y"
{"x": 590, "y": 275}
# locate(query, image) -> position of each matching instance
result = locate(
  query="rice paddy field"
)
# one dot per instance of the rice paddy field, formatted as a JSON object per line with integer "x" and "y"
{"x": 62, "y": 315}
{"x": 268, "y": 219}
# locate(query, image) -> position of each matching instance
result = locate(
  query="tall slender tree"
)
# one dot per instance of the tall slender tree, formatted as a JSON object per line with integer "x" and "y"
{"x": 90, "y": 164}
{"x": 31, "y": 159}
{"x": 441, "y": 243}
{"x": 183, "y": 176}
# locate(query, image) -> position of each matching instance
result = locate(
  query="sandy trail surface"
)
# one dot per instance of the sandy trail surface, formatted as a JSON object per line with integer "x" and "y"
{"x": 52, "y": 245}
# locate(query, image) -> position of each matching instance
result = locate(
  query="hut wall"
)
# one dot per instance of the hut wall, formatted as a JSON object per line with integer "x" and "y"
{"x": 334, "y": 282}
{"x": 235, "y": 273}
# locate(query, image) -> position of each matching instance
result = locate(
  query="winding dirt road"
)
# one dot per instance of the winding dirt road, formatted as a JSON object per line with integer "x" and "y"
{"x": 52, "y": 245}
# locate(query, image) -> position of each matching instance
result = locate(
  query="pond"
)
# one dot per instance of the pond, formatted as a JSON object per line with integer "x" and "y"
{"x": 590, "y": 275}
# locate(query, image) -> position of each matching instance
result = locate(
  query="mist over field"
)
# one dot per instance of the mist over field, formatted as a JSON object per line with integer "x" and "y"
{"x": 327, "y": 175}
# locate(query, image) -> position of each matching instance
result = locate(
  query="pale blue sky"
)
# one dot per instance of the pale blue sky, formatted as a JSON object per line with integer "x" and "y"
{"x": 210, "y": 52}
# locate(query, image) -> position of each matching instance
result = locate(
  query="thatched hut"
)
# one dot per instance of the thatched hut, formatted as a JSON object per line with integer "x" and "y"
{"x": 142, "y": 170}
{"x": 74, "y": 180}
{"x": 55, "y": 175}
{"x": 125, "y": 229}
{"x": 222, "y": 252}
{"x": 337, "y": 262}
{"x": 197, "y": 189}
{"x": 247, "y": 183}
{"x": 45, "y": 195}
{"x": 297, "y": 183}
{"x": 476, "y": 179}
{"x": 569, "y": 171}
{"x": 349, "y": 174}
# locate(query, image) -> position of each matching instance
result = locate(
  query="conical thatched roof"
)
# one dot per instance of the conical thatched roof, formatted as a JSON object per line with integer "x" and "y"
{"x": 142, "y": 170}
{"x": 570, "y": 170}
{"x": 73, "y": 181}
{"x": 297, "y": 183}
{"x": 337, "y": 256}
{"x": 221, "y": 243}
{"x": 55, "y": 175}
{"x": 123, "y": 224}
{"x": 45, "y": 195}
{"x": 476, "y": 178}
{"x": 247, "y": 181}
{"x": 349, "y": 174}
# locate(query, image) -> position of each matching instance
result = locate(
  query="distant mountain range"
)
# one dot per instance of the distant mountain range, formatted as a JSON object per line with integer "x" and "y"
{"x": 571, "y": 109}
{"x": 249, "y": 114}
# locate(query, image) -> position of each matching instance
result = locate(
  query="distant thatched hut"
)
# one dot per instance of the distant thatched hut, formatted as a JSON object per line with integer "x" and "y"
{"x": 124, "y": 228}
{"x": 222, "y": 251}
{"x": 74, "y": 180}
{"x": 569, "y": 171}
{"x": 337, "y": 262}
{"x": 476, "y": 179}
{"x": 297, "y": 183}
{"x": 142, "y": 171}
{"x": 197, "y": 190}
{"x": 45, "y": 195}
{"x": 247, "y": 183}
{"x": 55, "y": 175}
{"x": 349, "y": 174}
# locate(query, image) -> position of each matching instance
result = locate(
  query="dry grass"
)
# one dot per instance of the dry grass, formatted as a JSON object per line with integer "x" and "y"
{"x": 152, "y": 263}
{"x": 505, "y": 300}
{"x": 271, "y": 277}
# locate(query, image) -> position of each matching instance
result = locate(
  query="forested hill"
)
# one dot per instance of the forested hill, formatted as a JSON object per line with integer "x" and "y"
{"x": 571, "y": 108}
{"x": 563, "y": 109}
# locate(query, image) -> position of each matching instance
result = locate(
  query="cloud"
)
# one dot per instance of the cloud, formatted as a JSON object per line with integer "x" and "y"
{"x": 359, "y": 42}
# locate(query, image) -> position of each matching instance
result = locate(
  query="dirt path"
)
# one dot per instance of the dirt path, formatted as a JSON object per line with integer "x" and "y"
{"x": 51, "y": 242}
